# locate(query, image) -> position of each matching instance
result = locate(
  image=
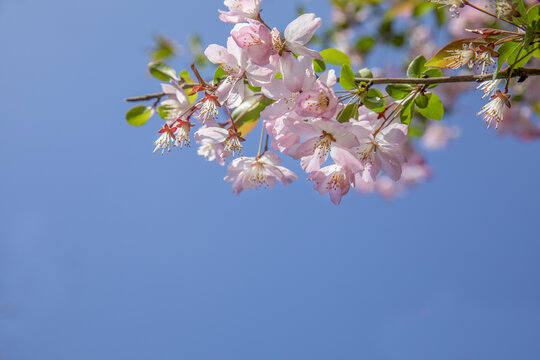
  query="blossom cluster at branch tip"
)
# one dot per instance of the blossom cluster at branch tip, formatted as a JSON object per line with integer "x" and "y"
{"x": 268, "y": 79}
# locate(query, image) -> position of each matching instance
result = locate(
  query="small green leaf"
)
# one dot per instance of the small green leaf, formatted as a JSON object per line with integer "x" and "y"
{"x": 398, "y": 91}
{"x": 162, "y": 71}
{"x": 365, "y": 44}
{"x": 319, "y": 65}
{"x": 365, "y": 73}
{"x": 346, "y": 79}
{"x": 433, "y": 73}
{"x": 520, "y": 56}
{"x": 255, "y": 89}
{"x": 219, "y": 74}
{"x": 139, "y": 115}
{"x": 424, "y": 8}
{"x": 164, "y": 112}
{"x": 350, "y": 112}
{"x": 407, "y": 112}
{"x": 335, "y": 57}
{"x": 374, "y": 100}
{"x": 434, "y": 109}
{"x": 416, "y": 67}
{"x": 184, "y": 75}
{"x": 533, "y": 14}
{"x": 421, "y": 101}
{"x": 505, "y": 50}
{"x": 248, "y": 113}
{"x": 164, "y": 49}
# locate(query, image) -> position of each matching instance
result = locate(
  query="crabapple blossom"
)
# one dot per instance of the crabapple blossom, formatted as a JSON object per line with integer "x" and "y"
{"x": 334, "y": 180}
{"x": 253, "y": 172}
{"x": 321, "y": 137}
{"x": 166, "y": 139}
{"x": 240, "y": 10}
{"x": 231, "y": 139}
{"x": 256, "y": 39}
{"x": 233, "y": 60}
{"x": 176, "y": 102}
{"x": 381, "y": 150}
{"x": 297, "y": 34}
{"x": 493, "y": 110}
{"x": 351, "y": 135}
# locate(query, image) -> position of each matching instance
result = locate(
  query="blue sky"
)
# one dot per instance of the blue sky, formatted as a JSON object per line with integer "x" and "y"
{"x": 108, "y": 251}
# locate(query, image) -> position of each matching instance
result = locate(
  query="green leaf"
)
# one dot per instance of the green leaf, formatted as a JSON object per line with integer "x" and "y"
{"x": 335, "y": 57}
{"x": 164, "y": 112}
{"x": 421, "y": 101}
{"x": 365, "y": 73}
{"x": 350, "y": 112}
{"x": 522, "y": 9}
{"x": 433, "y": 73}
{"x": 519, "y": 56}
{"x": 407, "y": 112}
{"x": 248, "y": 113}
{"x": 398, "y": 91}
{"x": 139, "y": 115}
{"x": 346, "y": 79}
{"x": 365, "y": 44}
{"x": 505, "y": 50}
{"x": 442, "y": 58}
{"x": 434, "y": 109}
{"x": 184, "y": 75}
{"x": 219, "y": 74}
{"x": 374, "y": 100}
{"x": 423, "y": 8}
{"x": 255, "y": 89}
{"x": 164, "y": 49}
{"x": 162, "y": 71}
{"x": 533, "y": 14}
{"x": 416, "y": 67}
{"x": 319, "y": 65}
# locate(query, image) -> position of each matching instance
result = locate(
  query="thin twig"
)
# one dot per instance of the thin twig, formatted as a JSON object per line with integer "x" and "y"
{"x": 452, "y": 79}
{"x": 146, "y": 97}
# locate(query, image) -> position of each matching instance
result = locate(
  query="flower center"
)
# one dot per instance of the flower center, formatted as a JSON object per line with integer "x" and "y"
{"x": 257, "y": 175}
{"x": 323, "y": 144}
{"x": 336, "y": 181}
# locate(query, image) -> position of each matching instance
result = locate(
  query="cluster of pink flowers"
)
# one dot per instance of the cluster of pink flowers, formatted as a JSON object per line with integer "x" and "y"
{"x": 299, "y": 110}
{"x": 301, "y": 119}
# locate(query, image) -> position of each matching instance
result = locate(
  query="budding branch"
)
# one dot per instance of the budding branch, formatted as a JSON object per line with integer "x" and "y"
{"x": 523, "y": 72}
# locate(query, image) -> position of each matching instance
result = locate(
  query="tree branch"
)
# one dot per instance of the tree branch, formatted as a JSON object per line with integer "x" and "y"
{"x": 145, "y": 97}
{"x": 523, "y": 72}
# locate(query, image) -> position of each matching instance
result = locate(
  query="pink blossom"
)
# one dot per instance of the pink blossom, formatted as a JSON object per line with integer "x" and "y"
{"x": 322, "y": 137}
{"x": 231, "y": 140}
{"x": 234, "y": 61}
{"x": 297, "y": 34}
{"x": 256, "y": 39}
{"x": 298, "y": 76}
{"x": 334, "y": 180}
{"x": 319, "y": 102}
{"x": 240, "y": 10}
{"x": 252, "y": 172}
{"x": 381, "y": 150}
{"x": 176, "y": 102}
